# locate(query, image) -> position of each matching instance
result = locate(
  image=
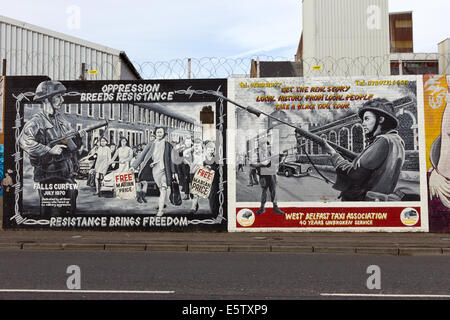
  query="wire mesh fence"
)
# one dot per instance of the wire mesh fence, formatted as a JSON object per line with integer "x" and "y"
{"x": 70, "y": 67}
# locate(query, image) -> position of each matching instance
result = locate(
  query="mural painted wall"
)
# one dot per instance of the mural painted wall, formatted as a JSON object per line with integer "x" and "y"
{"x": 437, "y": 125}
{"x": 115, "y": 155}
{"x": 316, "y": 154}
{"x": 327, "y": 154}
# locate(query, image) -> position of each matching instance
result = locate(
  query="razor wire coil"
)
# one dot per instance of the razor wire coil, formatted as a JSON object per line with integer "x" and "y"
{"x": 67, "y": 67}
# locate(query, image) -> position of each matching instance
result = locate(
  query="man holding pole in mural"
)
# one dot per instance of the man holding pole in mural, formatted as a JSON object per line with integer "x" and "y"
{"x": 373, "y": 174}
{"x": 267, "y": 169}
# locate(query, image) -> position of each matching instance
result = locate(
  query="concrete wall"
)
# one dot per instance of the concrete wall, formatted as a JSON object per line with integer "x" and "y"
{"x": 444, "y": 56}
{"x": 338, "y": 33}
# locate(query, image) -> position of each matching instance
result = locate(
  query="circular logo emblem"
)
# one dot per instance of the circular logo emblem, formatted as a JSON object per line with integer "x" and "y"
{"x": 409, "y": 217}
{"x": 245, "y": 217}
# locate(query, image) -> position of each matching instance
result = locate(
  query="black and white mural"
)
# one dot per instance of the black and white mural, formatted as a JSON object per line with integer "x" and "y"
{"x": 144, "y": 155}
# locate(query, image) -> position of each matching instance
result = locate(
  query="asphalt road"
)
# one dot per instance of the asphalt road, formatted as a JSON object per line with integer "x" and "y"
{"x": 218, "y": 276}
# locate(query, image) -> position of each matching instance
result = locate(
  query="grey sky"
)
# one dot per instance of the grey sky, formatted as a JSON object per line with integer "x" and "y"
{"x": 175, "y": 29}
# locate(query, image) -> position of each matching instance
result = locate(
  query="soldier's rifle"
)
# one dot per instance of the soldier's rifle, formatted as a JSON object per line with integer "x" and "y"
{"x": 304, "y": 133}
{"x": 67, "y": 139}
{"x": 342, "y": 182}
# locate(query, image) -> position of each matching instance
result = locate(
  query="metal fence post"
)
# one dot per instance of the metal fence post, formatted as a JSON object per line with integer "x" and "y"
{"x": 258, "y": 68}
{"x": 189, "y": 69}
{"x": 83, "y": 72}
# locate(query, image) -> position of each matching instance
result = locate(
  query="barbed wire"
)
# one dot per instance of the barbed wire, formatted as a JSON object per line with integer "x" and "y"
{"x": 67, "y": 67}
{"x": 200, "y": 68}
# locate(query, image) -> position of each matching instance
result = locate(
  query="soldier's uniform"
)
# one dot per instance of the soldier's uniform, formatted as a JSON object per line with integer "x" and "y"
{"x": 34, "y": 139}
{"x": 377, "y": 169}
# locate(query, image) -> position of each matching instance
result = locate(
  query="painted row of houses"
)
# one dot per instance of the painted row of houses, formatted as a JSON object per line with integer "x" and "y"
{"x": 132, "y": 121}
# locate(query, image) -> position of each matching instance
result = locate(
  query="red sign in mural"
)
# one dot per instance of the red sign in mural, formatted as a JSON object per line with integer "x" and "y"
{"x": 329, "y": 217}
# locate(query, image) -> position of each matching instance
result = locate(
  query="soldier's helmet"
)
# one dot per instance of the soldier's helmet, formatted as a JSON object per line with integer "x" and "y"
{"x": 48, "y": 89}
{"x": 381, "y": 107}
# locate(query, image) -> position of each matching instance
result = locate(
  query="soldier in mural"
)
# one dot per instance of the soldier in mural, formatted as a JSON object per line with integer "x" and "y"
{"x": 54, "y": 163}
{"x": 374, "y": 173}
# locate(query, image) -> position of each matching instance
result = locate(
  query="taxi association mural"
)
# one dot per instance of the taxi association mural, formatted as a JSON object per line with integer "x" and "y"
{"x": 338, "y": 154}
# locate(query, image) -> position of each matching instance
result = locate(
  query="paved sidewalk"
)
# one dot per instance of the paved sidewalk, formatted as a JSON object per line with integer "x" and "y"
{"x": 321, "y": 242}
{"x": 281, "y": 242}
